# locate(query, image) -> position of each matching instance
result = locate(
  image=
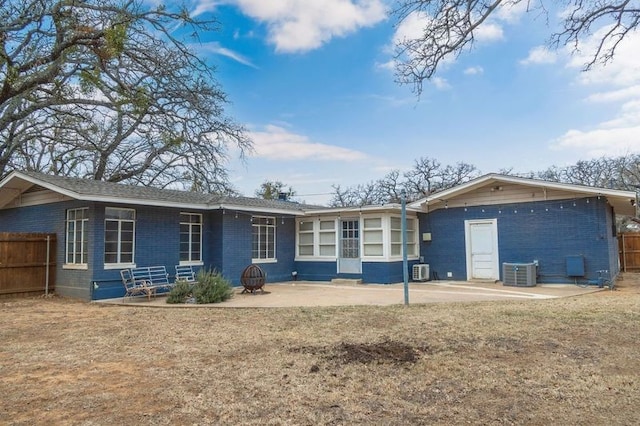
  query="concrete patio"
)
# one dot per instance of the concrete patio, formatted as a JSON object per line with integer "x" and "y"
{"x": 305, "y": 293}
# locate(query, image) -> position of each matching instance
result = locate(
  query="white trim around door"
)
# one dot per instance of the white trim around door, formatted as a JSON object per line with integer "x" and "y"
{"x": 481, "y": 245}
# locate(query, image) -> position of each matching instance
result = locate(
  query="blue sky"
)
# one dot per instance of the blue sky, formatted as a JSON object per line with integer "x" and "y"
{"x": 313, "y": 83}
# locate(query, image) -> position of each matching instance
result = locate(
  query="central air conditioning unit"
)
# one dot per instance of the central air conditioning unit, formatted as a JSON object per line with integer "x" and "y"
{"x": 519, "y": 274}
{"x": 420, "y": 272}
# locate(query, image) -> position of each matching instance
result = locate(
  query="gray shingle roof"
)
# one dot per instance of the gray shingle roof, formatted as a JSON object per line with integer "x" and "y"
{"x": 94, "y": 188}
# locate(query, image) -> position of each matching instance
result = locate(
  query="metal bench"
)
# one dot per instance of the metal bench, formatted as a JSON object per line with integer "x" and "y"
{"x": 185, "y": 273}
{"x": 148, "y": 280}
{"x": 133, "y": 287}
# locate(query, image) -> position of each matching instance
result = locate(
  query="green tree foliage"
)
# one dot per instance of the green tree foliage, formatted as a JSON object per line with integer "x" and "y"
{"x": 274, "y": 190}
{"x": 108, "y": 90}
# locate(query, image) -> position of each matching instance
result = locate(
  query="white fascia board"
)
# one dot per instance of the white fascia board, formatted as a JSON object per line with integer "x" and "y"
{"x": 364, "y": 209}
{"x": 495, "y": 178}
{"x": 254, "y": 209}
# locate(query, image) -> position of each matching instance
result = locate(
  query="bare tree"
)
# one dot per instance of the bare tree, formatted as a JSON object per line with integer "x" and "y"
{"x": 427, "y": 176}
{"x": 104, "y": 89}
{"x": 450, "y": 28}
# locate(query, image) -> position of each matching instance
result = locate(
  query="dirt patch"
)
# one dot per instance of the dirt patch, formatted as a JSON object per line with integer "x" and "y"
{"x": 557, "y": 361}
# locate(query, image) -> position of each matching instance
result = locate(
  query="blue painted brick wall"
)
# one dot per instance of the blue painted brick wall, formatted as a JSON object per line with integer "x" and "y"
{"x": 544, "y": 231}
{"x": 316, "y": 270}
{"x": 238, "y": 241}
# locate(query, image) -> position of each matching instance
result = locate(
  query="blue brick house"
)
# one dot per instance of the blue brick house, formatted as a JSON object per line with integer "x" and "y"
{"x": 464, "y": 233}
{"x": 470, "y": 231}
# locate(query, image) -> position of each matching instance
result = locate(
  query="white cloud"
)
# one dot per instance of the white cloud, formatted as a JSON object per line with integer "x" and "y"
{"x": 474, "y": 70}
{"x": 412, "y": 27}
{"x": 302, "y": 25}
{"x": 215, "y": 48}
{"x": 540, "y": 55}
{"x": 277, "y": 143}
{"x": 631, "y": 92}
{"x": 204, "y": 6}
{"x": 440, "y": 83}
{"x": 601, "y": 142}
{"x": 623, "y": 70}
{"x": 489, "y": 32}
{"x": 512, "y": 10}
{"x": 618, "y": 83}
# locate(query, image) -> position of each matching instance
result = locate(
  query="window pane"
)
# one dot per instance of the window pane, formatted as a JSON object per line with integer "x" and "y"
{"x": 306, "y": 226}
{"x": 396, "y": 236}
{"x": 306, "y": 250}
{"x": 410, "y": 224}
{"x": 373, "y": 250}
{"x": 396, "y": 249}
{"x": 373, "y": 236}
{"x": 373, "y": 223}
{"x": 327, "y": 250}
{"x": 327, "y": 238}
{"x": 306, "y": 239}
{"x": 327, "y": 224}
{"x": 396, "y": 223}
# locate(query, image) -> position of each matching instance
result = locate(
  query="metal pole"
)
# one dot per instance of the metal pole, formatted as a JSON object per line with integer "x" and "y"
{"x": 46, "y": 274}
{"x": 405, "y": 264}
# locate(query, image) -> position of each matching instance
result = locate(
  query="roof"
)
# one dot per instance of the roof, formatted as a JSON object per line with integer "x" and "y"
{"x": 18, "y": 182}
{"x": 622, "y": 201}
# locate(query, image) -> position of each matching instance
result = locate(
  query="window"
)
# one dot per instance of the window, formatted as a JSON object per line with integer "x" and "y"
{"x": 76, "y": 252}
{"x": 119, "y": 235}
{"x": 190, "y": 238}
{"x": 396, "y": 236}
{"x": 264, "y": 238}
{"x": 327, "y": 238}
{"x": 372, "y": 237}
{"x": 305, "y": 239}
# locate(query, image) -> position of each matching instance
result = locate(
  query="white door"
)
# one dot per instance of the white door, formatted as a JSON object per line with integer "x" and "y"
{"x": 349, "y": 256}
{"x": 482, "y": 249}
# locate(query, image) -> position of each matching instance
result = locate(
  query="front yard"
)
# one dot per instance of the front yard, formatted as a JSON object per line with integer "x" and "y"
{"x": 560, "y": 361}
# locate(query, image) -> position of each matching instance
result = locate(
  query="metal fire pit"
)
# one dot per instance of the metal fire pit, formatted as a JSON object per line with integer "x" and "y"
{"x": 252, "y": 279}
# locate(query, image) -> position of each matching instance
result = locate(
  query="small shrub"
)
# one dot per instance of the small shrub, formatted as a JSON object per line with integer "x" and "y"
{"x": 180, "y": 292}
{"x": 211, "y": 287}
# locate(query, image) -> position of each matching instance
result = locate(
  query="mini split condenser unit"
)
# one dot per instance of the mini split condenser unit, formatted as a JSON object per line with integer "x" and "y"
{"x": 519, "y": 274}
{"x": 421, "y": 272}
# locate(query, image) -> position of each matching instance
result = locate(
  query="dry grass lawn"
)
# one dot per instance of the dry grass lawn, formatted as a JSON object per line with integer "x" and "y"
{"x": 562, "y": 361}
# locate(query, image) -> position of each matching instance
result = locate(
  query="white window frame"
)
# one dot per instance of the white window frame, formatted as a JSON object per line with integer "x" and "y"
{"x": 79, "y": 255}
{"x": 119, "y": 264}
{"x": 191, "y": 225}
{"x": 321, "y": 233}
{"x": 368, "y": 231}
{"x": 263, "y": 231}
{"x": 385, "y": 227}
{"x": 412, "y": 237}
{"x": 303, "y": 235}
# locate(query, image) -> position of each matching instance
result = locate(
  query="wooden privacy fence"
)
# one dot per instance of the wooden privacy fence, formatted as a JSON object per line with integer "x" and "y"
{"x": 629, "y": 250}
{"x": 27, "y": 263}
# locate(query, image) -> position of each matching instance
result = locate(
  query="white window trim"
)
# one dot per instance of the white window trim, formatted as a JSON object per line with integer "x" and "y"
{"x": 119, "y": 265}
{"x": 85, "y": 221}
{"x": 386, "y": 239}
{"x": 197, "y": 262}
{"x": 416, "y": 241}
{"x": 316, "y": 257}
{"x": 76, "y": 266}
{"x": 273, "y": 259}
